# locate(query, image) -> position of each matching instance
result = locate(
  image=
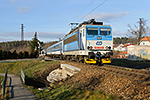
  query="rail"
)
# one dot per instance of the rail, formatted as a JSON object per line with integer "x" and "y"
{"x": 4, "y": 83}
{"x": 22, "y": 76}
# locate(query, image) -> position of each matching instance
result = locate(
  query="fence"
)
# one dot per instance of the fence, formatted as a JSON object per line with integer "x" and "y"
{"x": 139, "y": 52}
{"x": 22, "y": 76}
{"x": 4, "y": 83}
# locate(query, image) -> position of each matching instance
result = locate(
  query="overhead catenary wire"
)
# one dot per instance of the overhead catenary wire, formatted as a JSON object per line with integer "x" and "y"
{"x": 78, "y": 15}
{"x": 86, "y": 14}
{"x": 92, "y": 10}
{"x": 84, "y": 10}
{"x": 66, "y": 28}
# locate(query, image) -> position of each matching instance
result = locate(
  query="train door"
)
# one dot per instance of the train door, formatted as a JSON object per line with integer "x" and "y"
{"x": 83, "y": 39}
{"x": 80, "y": 40}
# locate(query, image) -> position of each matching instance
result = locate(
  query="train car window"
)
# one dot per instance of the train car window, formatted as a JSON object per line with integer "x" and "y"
{"x": 80, "y": 33}
{"x": 105, "y": 31}
{"x": 71, "y": 39}
{"x": 92, "y": 31}
{"x": 83, "y": 32}
{"x": 58, "y": 46}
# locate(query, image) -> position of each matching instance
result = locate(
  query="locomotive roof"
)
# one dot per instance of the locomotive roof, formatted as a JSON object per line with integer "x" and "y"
{"x": 90, "y": 22}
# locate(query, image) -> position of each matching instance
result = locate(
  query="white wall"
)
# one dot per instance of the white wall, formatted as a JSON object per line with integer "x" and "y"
{"x": 144, "y": 43}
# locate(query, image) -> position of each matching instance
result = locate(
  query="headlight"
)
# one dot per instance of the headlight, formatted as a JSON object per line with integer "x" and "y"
{"x": 106, "y": 47}
{"x": 91, "y": 47}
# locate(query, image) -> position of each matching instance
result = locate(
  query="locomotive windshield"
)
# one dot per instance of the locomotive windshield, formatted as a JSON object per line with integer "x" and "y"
{"x": 105, "y": 31}
{"x": 92, "y": 31}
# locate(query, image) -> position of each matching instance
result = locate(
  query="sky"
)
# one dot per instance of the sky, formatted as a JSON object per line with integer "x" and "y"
{"x": 51, "y": 18}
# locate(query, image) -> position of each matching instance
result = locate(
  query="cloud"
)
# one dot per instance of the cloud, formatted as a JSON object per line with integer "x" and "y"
{"x": 49, "y": 36}
{"x": 10, "y": 34}
{"x": 42, "y": 36}
{"x": 120, "y": 34}
{"x": 108, "y": 17}
{"x": 23, "y": 9}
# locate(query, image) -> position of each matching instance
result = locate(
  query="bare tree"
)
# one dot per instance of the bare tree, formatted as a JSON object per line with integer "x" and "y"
{"x": 140, "y": 30}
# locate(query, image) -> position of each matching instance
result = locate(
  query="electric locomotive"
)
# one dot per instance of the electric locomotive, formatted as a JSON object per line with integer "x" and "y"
{"x": 91, "y": 42}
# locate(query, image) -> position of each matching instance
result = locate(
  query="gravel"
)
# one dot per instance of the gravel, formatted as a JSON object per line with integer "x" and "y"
{"x": 91, "y": 79}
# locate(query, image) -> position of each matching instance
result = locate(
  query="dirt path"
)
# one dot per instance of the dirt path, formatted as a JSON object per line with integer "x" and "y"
{"x": 16, "y": 90}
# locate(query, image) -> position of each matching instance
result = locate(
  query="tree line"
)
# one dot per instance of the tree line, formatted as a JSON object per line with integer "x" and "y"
{"x": 15, "y": 55}
{"x": 5, "y": 47}
{"x": 124, "y": 40}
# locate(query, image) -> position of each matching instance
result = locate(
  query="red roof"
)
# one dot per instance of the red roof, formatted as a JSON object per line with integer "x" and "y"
{"x": 147, "y": 38}
{"x": 122, "y": 53}
{"x": 127, "y": 45}
{"x": 115, "y": 45}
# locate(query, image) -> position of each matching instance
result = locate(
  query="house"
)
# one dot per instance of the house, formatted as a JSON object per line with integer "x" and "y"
{"x": 124, "y": 48}
{"x": 118, "y": 47}
{"x": 145, "y": 41}
{"x": 122, "y": 54}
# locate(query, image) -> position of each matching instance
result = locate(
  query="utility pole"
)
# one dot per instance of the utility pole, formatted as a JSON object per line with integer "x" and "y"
{"x": 22, "y": 35}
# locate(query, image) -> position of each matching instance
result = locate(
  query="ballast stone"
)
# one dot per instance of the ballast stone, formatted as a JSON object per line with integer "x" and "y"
{"x": 62, "y": 74}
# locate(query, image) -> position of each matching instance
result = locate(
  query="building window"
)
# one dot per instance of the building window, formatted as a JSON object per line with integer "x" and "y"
{"x": 143, "y": 43}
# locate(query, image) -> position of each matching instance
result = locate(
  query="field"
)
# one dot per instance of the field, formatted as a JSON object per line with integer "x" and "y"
{"x": 36, "y": 72}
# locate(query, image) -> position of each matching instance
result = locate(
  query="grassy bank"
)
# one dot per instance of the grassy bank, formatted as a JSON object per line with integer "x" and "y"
{"x": 69, "y": 92}
{"x": 36, "y": 72}
{"x": 1, "y": 93}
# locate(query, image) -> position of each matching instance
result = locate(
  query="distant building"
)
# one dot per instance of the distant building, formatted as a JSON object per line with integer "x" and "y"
{"x": 145, "y": 41}
{"x": 118, "y": 47}
{"x": 122, "y": 54}
{"x": 124, "y": 48}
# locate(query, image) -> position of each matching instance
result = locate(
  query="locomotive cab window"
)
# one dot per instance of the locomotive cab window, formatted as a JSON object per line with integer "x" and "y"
{"x": 92, "y": 31}
{"x": 105, "y": 31}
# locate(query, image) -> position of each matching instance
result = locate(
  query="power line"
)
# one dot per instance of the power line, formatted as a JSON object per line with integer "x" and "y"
{"x": 78, "y": 16}
{"x": 92, "y": 10}
{"x": 84, "y": 10}
{"x": 86, "y": 14}
{"x": 66, "y": 28}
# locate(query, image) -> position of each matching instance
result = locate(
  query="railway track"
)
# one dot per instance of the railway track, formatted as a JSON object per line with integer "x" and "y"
{"x": 131, "y": 73}
{"x": 136, "y": 74}
{"x": 142, "y": 76}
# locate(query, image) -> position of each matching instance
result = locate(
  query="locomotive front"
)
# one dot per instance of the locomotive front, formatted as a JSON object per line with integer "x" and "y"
{"x": 98, "y": 44}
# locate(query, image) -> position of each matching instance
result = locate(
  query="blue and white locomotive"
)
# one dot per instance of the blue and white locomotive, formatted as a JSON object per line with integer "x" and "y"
{"x": 90, "y": 42}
